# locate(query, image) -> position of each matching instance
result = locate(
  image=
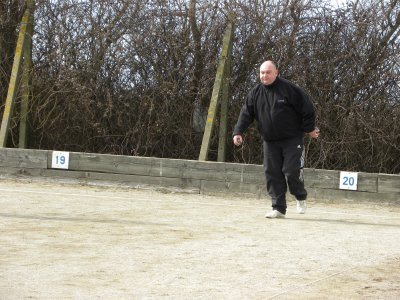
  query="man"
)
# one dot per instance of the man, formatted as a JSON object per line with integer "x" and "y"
{"x": 284, "y": 113}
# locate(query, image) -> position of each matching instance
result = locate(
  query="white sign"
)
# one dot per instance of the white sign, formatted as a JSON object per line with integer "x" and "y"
{"x": 348, "y": 181}
{"x": 60, "y": 160}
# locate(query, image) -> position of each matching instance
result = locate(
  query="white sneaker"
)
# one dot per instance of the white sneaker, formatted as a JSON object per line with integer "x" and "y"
{"x": 274, "y": 214}
{"x": 301, "y": 206}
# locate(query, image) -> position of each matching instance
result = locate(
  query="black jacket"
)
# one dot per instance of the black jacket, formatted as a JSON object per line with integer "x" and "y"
{"x": 282, "y": 110}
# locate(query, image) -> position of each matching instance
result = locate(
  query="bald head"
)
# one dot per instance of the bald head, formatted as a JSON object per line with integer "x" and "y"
{"x": 268, "y": 72}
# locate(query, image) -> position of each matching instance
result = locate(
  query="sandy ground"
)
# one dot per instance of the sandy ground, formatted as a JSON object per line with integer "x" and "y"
{"x": 68, "y": 241}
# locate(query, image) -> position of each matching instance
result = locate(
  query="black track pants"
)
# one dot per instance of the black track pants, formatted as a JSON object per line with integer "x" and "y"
{"x": 283, "y": 166}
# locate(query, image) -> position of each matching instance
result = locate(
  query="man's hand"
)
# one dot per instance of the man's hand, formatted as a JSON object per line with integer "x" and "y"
{"x": 238, "y": 140}
{"x": 314, "y": 134}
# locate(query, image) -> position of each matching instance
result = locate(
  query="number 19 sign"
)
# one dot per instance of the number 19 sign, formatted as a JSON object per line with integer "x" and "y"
{"x": 348, "y": 181}
{"x": 60, "y": 160}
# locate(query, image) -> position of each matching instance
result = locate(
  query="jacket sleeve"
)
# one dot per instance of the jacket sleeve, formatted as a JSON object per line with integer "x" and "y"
{"x": 246, "y": 116}
{"x": 308, "y": 113}
{"x": 306, "y": 109}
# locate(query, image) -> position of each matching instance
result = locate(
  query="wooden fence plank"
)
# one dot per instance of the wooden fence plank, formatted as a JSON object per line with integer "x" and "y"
{"x": 389, "y": 184}
{"x": 23, "y": 158}
{"x": 207, "y": 177}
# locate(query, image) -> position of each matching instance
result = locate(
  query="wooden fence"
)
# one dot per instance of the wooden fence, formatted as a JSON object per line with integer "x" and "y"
{"x": 189, "y": 175}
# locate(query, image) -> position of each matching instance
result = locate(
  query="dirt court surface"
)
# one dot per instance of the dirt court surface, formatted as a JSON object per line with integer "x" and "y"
{"x": 68, "y": 241}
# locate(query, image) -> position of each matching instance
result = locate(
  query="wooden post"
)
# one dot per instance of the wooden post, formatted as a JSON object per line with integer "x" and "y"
{"x": 12, "y": 88}
{"x": 26, "y": 78}
{"x": 217, "y": 90}
{"x": 223, "y": 123}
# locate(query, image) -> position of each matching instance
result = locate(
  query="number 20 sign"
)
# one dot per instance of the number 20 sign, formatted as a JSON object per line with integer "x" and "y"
{"x": 60, "y": 160}
{"x": 348, "y": 181}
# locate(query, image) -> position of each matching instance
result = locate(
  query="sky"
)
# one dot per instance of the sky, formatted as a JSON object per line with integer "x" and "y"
{"x": 338, "y": 2}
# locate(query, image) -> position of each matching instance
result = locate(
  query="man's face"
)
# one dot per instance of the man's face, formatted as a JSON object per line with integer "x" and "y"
{"x": 268, "y": 73}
